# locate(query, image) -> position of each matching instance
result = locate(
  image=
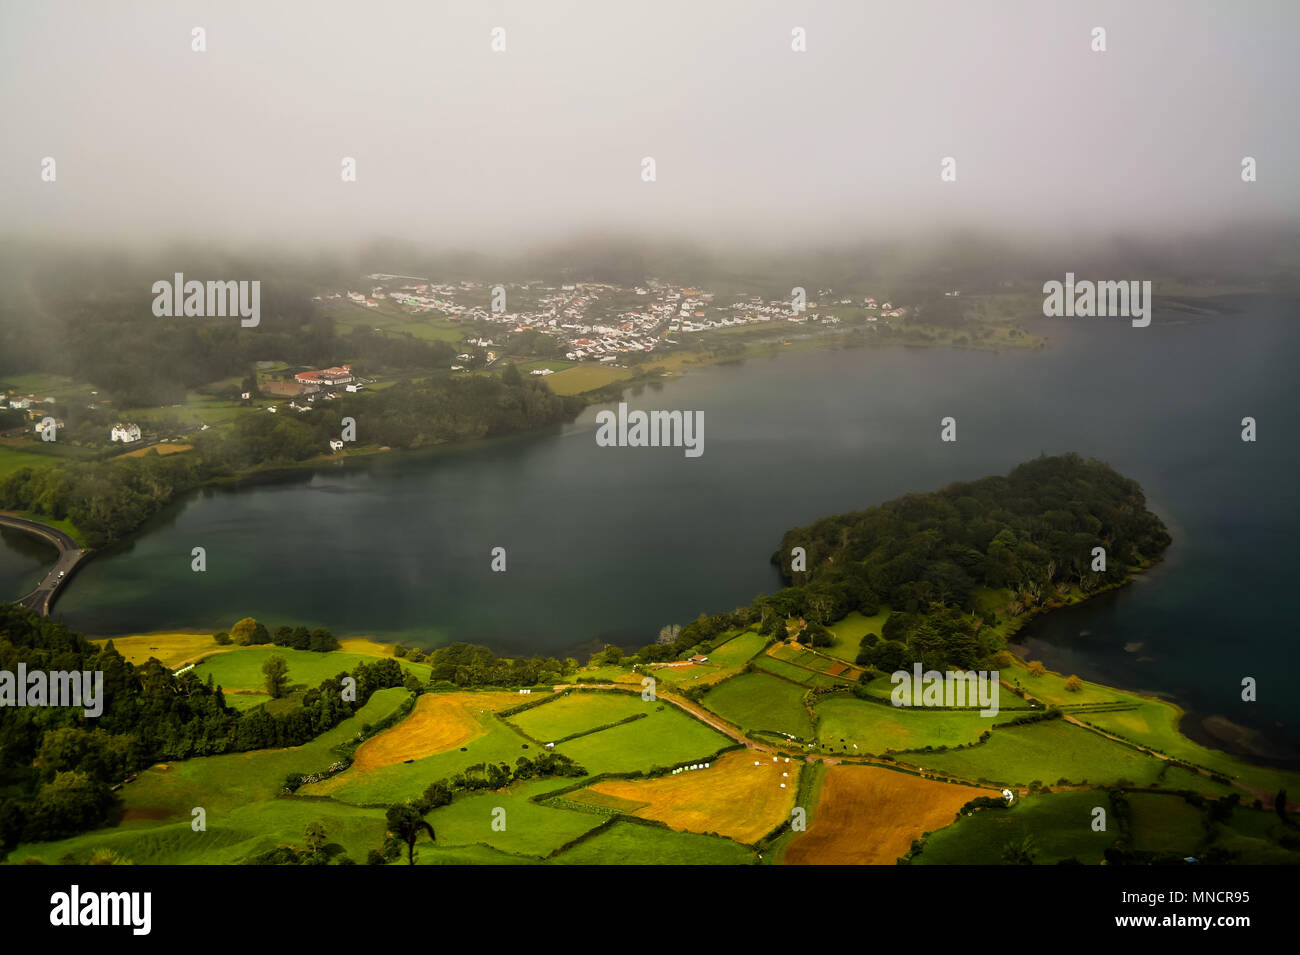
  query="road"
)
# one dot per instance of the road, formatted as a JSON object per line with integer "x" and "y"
{"x": 70, "y": 555}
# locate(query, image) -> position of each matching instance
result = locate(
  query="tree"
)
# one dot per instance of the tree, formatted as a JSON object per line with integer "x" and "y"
{"x": 1036, "y": 668}
{"x": 668, "y": 635}
{"x": 248, "y": 632}
{"x": 277, "y": 676}
{"x": 315, "y": 837}
{"x": 1020, "y": 853}
{"x": 1073, "y": 684}
{"x": 406, "y": 824}
{"x": 222, "y": 638}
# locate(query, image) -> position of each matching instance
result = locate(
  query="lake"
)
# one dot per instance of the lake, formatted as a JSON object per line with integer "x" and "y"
{"x": 610, "y": 544}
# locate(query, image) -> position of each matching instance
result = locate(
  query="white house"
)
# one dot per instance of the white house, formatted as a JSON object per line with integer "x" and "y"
{"x": 126, "y": 433}
{"x": 336, "y": 444}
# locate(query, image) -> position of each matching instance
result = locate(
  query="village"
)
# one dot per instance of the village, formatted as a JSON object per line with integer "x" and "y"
{"x": 596, "y": 321}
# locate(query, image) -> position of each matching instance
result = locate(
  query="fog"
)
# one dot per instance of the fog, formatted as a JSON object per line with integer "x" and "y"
{"x": 755, "y": 145}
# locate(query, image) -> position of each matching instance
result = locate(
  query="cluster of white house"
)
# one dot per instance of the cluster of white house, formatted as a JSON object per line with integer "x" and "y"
{"x": 569, "y": 312}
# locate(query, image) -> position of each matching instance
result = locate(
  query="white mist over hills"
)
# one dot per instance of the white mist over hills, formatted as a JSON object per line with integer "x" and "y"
{"x": 754, "y": 144}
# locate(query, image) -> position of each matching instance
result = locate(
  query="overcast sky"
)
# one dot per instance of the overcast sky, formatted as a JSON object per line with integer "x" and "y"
{"x": 753, "y": 142}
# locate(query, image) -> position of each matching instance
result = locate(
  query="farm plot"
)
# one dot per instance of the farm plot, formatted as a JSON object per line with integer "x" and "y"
{"x": 578, "y": 712}
{"x": 857, "y": 726}
{"x": 665, "y": 738}
{"x": 1059, "y": 826}
{"x": 439, "y": 722}
{"x": 869, "y": 816}
{"x": 629, "y": 843}
{"x": 742, "y": 796}
{"x": 758, "y": 701}
{"x": 1046, "y": 751}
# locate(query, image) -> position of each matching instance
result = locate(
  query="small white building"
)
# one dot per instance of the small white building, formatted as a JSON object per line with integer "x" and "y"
{"x": 126, "y": 433}
{"x": 336, "y": 444}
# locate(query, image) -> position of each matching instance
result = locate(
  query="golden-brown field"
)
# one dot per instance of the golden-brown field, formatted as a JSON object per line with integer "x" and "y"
{"x": 439, "y": 722}
{"x": 170, "y": 649}
{"x": 869, "y": 816}
{"x": 733, "y": 797}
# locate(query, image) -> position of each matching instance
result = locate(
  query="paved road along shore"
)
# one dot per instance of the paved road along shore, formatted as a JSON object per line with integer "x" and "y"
{"x": 70, "y": 555}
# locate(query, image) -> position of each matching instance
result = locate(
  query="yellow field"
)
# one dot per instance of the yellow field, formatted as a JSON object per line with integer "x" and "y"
{"x": 163, "y": 450}
{"x": 439, "y": 722}
{"x": 869, "y": 816}
{"x": 172, "y": 649}
{"x": 733, "y": 797}
{"x": 367, "y": 646}
{"x": 585, "y": 377}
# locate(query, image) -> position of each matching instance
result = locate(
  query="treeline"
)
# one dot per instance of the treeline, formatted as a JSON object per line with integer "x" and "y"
{"x": 106, "y": 500}
{"x": 466, "y": 664}
{"x": 57, "y": 765}
{"x": 249, "y": 632}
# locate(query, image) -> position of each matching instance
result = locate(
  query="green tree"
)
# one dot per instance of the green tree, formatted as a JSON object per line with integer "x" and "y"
{"x": 1020, "y": 852}
{"x": 406, "y": 824}
{"x": 277, "y": 676}
{"x": 315, "y": 837}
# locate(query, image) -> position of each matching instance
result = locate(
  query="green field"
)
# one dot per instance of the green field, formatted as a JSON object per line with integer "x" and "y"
{"x": 529, "y": 829}
{"x": 665, "y": 738}
{"x": 586, "y": 377}
{"x": 848, "y": 634}
{"x": 791, "y": 672}
{"x": 241, "y": 669}
{"x": 878, "y": 728}
{"x": 1045, "y": 751}
{"x": 738, "y": 650}
{"x": 629, "y": 843}
{"x": 13, "y": 459}
{"x": 237, "y": 791}
{"x": 578, "y": 712}
{"x": 757, "y": 701}
{"x": 1149, "y": 722}
{"x": 1060, "y": 825}
{"x": 1164, "y": 823}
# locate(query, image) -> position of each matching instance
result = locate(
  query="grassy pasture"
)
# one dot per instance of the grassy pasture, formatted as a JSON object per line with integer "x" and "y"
{"x": 578, "y": 712}
{"x": 1060, "y": 825}
{"x": 665, "y": 737}
{"x": 530, "y": 829}
{"x": 848, "y": 634}
{"x": 627, "y": 843}
{"x": 586, "y": 376}
{"x": 1045, "y": 751}
{"x": 875, "y": 728}
{"x": 241, "y": 668}
{"x": 238, "y": 793}
{"x": 757, "y": 701}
